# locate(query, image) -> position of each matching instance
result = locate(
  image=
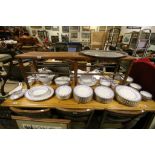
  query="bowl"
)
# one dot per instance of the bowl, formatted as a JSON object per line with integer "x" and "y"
{"x": 88, "y": 80}
{"x": 62, "y": 80}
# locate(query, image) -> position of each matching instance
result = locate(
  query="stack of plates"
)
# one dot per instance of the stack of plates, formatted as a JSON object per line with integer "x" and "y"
{"x": 63, "y": 92}
{"x": 135, "y": 86}
{"x": 63, "y": 80}
{"x": 88, "y": 80}
{"x": 105, "y": 82}
{"x": 146, "y": 95}
{"x": 104, "y": 94}
{"x": 127, "y": 95}
{"x": 83, "y": 93}
{"x": 39, "y": 93}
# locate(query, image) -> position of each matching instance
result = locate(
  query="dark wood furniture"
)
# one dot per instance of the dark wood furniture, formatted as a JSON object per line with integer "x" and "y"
{"x": 72, "y": 58}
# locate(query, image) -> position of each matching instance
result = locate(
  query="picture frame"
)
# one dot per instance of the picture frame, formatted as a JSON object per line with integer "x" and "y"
{"x": 36, "y": 27}
{"x": 23, "y": 122}
{"x": 55, "y": 28}
{"x": 48, "y": 27}
{"x": 126, "y": 38}
{"x": 65, "y": 29}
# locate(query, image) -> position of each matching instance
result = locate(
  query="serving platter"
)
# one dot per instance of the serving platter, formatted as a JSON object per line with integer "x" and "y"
{"x": 18, "y": 94}
{"x": 104, "y": 54}
{"x": 127, "y": 95}
{"x": 39, "y": 93}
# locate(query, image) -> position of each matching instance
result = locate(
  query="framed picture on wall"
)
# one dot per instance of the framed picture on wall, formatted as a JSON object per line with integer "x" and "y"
{"x": 65, "y": 29}
{"x": 48, "y": 27}
{"x": 85, "y": 28}
{"x": 55, "y": 28}
{"x": 36, "y": 27}
{"x": 74, "y": 28}
{"x": 126, "y": 38}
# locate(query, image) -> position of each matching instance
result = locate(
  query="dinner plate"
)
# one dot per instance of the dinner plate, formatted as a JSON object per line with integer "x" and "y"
{"x": 127, "y": 95}
{"x": 83, "y": 93}
{"x": 63, "y": 92}
{"x": 104, "y": 94}
{"x": 146, "y": 95}
{"x": 135, "y": 86}
{"x": 39, "y": 95}
{"x": 104, "y": 54}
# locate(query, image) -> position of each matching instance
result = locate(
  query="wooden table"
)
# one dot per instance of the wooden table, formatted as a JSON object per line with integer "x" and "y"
{"x": 53, "y": 102}
{"x": 73, "y": 58}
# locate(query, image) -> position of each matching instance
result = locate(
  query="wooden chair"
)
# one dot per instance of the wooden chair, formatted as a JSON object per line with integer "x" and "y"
{"x": 32, "y": 113}
{"x": 127, "y": 119}
{"x": 76, "y": 115}
{"x": 98, "y": 40}
{"x": 5, "y": 58}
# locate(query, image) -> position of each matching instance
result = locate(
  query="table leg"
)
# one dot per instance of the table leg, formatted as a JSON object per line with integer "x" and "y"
{"x": 23, "y": 72}
{"x": 127, "y": 72}
{"x": 34, "y": 64}
{"x": 117, "y": 68}
{"x": 75, "y": 66}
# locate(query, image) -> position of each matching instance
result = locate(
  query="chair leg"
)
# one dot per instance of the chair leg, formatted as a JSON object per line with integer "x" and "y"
{"x": 103, "y": 119}
{"x": 89, "y": 120}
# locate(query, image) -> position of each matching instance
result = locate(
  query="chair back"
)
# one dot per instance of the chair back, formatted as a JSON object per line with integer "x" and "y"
{"x": 76, "y": 115}
{"x": 34, "y": 113}
{"x": 128, "y": 119}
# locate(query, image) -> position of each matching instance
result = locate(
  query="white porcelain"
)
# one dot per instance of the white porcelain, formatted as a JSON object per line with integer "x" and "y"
{"x": 79, "y": 72}
{"x": 135, "y": 86}
{"x": 83, "y": 93}
{"x": 45, "y": 78}
{"x": 88, "y": 80}
{"x": 44, "y": 70}
{"x": 62, "y": 80}
{"x": 128, "y": 80}
{"x": 128, "y": 93}
{"x": 63, "y": 92}
{"x": 31, "y": 80}
{"x": 146, "y": 95}
{"x": 18, "y": 94}
{"x": 39, "y": 93}
{"x": 105, "y": 82}
{"x": 104, "y": 94}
